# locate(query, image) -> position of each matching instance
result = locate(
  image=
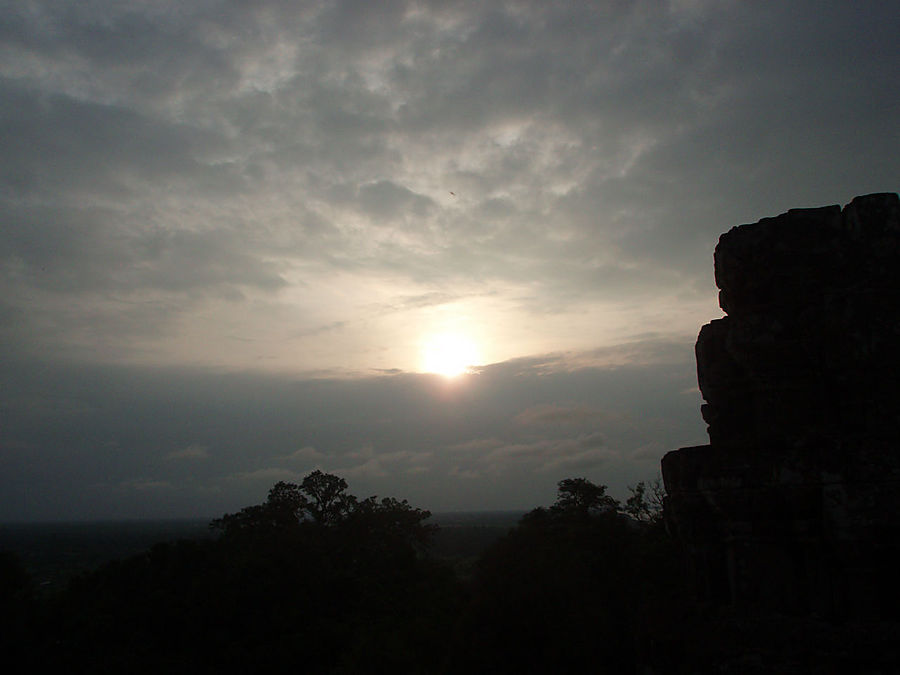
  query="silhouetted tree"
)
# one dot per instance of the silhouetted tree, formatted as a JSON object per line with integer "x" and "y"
{"x": 312, "y": 580}
{"x": 581, "y": 496}
{"x": 320, "y": 498}
{"x": 576, "y": 587}
{"x": 646, "y": 501}
{"x": 552, "y": 595}
{"x": 323, "y": 497}
{"x": 395, "y": 520}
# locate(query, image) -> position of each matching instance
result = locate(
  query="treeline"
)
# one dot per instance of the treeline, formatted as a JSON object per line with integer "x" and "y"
{"x": 315, "y": 580}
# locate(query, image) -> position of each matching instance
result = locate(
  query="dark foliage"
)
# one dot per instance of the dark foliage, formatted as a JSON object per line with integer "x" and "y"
{"x": 16, "y": 585}
{"x": 315, "y": 580}
{"x": 320, "y": 498}
{"x": 576, "y": 587}
{"x": 17, "y": 606}
{"x": 579, "y": 497}
{"x": 646, "y": 502}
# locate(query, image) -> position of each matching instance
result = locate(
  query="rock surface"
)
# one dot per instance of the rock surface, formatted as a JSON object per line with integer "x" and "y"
{"x": 794, "y": 506}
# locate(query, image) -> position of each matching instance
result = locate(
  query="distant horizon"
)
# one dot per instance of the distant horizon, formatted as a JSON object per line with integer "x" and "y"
{"x": 199, "y": 519}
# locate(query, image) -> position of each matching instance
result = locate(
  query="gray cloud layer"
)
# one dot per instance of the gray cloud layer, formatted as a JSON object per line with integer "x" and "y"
{"x": 91, "y": 441}
{"x": 316, "y": 187}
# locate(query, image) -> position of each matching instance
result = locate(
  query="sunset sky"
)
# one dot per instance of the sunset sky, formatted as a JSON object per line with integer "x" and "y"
{"x": 240, "y": 241}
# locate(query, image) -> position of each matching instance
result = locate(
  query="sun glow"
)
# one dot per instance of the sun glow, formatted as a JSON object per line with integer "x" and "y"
{"x": 449, "y": 355}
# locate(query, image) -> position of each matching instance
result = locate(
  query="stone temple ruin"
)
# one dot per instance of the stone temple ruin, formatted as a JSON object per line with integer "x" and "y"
{"x": 794, "y": 506}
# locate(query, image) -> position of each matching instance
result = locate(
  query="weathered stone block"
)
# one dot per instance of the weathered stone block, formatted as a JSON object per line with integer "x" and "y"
{"x": 795, "y": 503}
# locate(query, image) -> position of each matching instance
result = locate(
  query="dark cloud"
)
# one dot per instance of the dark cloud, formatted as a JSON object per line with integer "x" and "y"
{"x": 387, "y": 203}
{"x": 53, "y": 141}
{"x": 560, "y": 414}
{"x": 78, "y": 436}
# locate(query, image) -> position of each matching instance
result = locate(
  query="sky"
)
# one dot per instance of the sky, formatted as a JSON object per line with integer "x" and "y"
{"x": 240, "y": 241}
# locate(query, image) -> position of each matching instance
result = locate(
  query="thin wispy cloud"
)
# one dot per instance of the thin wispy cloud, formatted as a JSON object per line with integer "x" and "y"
{"x": 191, "y": 453}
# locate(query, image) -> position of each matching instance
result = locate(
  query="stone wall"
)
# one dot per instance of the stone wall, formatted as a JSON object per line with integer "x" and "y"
{"x": 794, "y": 506}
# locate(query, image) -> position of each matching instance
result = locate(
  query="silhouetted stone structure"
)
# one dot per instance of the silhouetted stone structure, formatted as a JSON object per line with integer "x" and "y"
{"x": 794, "y": 506}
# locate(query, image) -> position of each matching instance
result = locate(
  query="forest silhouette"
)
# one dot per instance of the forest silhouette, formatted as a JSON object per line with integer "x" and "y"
{"x": 317, "y": 580}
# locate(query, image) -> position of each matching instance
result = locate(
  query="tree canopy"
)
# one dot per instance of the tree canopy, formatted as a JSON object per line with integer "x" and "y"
{"x": 646, "y": 502}
{"x": 321, "y": 500}
{"x": 579, "y": 495}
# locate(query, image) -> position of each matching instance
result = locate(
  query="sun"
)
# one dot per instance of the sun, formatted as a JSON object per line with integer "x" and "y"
{"x": 449, "y": 354}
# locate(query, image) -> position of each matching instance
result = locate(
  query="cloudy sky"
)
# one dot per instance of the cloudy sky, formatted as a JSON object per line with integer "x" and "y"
{"x": 238, "y": 239}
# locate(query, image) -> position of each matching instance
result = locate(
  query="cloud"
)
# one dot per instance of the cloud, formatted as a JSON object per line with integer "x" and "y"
{"x": 222, "y": 218}
{"x": 429, "y": 299}
{"x": 143, "y": 485}
{"x": 265, "y": 475}
{"x": 401, "y": 435}
{"x": 470, "y": 474}
{"x": 477, "y": 445}
{"x": 550, "y": 455}
{"x": 191, "y": 452}
{"x": 304, "y": 455}
{"x": 385, "y": 202}
{"x": 370, "y": 468}
{"x": 367, "y": 463}
{"x": 561, "y": 415}
{"x": 651, "y": 453}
